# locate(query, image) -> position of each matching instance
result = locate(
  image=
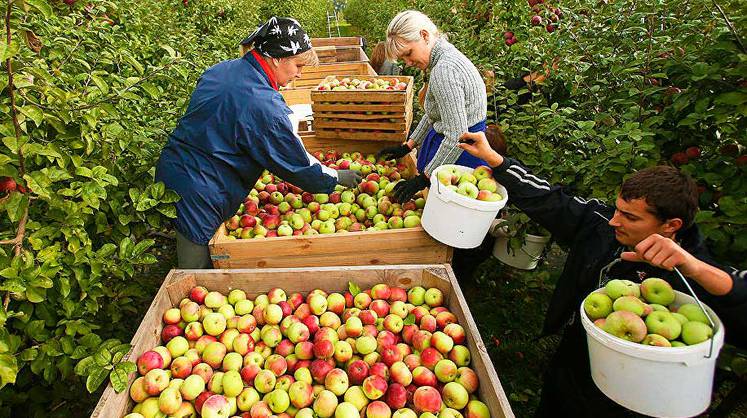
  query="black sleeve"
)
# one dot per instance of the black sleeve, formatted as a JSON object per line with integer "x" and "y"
{"x": 548, "y": 205}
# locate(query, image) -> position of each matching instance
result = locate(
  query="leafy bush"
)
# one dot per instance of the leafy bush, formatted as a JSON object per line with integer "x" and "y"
{"x": 627, "y": 85}
{"x": 96, "y": 89}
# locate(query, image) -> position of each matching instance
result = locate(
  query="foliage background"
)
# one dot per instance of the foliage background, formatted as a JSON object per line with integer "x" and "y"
{"x": 635, "y": 84}
{"x": 98, "y": 88}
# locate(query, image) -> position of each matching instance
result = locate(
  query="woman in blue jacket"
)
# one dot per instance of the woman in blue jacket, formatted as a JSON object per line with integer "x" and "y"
{"x": 236, "y": 126}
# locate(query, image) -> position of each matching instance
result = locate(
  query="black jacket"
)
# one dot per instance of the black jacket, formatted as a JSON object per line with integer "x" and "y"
{"x": 582, "y": 226}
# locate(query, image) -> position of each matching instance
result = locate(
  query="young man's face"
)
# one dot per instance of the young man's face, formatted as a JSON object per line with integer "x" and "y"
{"x": 633, "y": 222}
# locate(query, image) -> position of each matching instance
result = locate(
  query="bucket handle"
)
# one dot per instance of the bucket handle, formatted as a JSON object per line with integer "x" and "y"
{"x": 608, "y": 267}
{"x": 713, "y": 325}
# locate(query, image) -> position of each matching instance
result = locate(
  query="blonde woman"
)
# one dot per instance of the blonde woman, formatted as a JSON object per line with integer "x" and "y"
{"x": 237, "y": 125}
{"x": 456, "y": 100}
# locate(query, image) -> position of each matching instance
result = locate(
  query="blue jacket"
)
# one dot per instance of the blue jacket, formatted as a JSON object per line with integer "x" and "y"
{"x": 236, "y": 125}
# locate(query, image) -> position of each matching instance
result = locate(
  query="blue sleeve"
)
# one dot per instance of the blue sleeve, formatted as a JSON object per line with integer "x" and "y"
{"x": 278, "y": 149}
{"x": 548, "y": 205}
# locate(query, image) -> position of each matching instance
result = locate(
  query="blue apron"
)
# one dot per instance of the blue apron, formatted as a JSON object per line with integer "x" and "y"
{"x": 432, "y": 141}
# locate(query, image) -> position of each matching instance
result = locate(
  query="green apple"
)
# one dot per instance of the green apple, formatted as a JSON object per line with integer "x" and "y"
{"x": 468, "y": 189}
{"x": 616, "y": 288}
{"x": 630, "y": 304}
{"x": 346, "y": 410}
{"x": 678, "y": 344}
{"x": 626, "y": 325}
{"x": 247, "y": 398}
{"x": 232, "y": 383}
{"x": 192, "y": 387}
{"x": 680, "y": 317}
{"x": 664, "y": 324}
{"x": 214, "y": 323}
{"x": 278, "y": 401}
{"x": 597, "y": 305}
{"x": 657, "y": 307}
{"x": 693, "y": 313}
{"x": 694, "y": 332}
{"x": 169, "y": 401}
{"x": 357, "y": 397}
{"x": 416, "y": 295}
{"x": 236, "y": 295}
{"x": 656, "y": 340}
{"x": 325, "y": 404}
{"x": 656, "y": 290}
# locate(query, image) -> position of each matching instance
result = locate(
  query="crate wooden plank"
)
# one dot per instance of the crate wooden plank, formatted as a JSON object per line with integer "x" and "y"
{"x": 178, "y": 282}
{"x": 295, "y": 96}
{"x": 337, "y": 41}
{"x": 372, "y": 136}
{"x": 340, "y": 53}
{"x": 415, "y": 246}
{"x": 358, "y": 116}
{"x": 343, "y": 108}
{"x": 399, "y": 126}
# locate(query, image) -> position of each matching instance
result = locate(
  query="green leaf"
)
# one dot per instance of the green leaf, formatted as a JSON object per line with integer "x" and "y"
{"x": 120, "y": 375}
{"x": 95, "y": 379}
{"x": 100, "y": 83}
{"x": 33, "y": 113}
{"x": 142, "y": 246}
{"x": 103, "y": 357}
{"x": 84, "y": 366}
{"x": 8, "y": 369}
{"x": 353, "y": 288}
{"x": 42, "y": 6}
{"x": 409, "y": 319}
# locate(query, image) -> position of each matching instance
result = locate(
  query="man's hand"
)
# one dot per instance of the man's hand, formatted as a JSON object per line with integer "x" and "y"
{"x": 663, "y": 253}
{"x": 666, "y": 254}
{"x": 477, "y": 144}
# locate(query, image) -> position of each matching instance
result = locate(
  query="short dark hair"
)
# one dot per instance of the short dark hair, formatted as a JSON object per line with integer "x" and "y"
{"x": 669, "y": 193}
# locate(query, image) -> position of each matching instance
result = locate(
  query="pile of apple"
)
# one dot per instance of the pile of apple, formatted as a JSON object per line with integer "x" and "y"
{"x": 385, "y": 352}
{"x": 277, "y": 208}
{"x": 476, "y": 184}
{"x": 357, "y": 84}
{"x": 644, "y": 314}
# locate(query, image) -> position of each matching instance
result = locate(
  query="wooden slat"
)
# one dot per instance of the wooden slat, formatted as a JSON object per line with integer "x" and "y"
{"x": 360, "y": 125}
{"x": 372, "y": 136}
{"x": 356, "y": 116}
{"x": 358, "y": 108}
{"x": 257, "y": 281}
{"x": 337, "y": 41}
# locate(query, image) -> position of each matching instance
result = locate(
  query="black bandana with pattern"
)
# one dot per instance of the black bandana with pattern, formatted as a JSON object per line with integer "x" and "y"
{"x": 279, "y": 37}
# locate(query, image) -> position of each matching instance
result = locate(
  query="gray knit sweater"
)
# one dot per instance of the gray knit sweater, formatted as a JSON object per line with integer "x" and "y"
{"x": 456, "y": 100}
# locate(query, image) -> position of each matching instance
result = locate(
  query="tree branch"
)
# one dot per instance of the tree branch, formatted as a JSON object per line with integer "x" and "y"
{"x": 731, "y": 27}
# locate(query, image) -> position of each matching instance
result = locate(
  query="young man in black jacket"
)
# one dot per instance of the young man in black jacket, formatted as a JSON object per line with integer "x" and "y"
{"x": 649, "y": 231}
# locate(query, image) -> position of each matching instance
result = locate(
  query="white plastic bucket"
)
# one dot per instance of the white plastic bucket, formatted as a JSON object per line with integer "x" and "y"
{"x": 655, "y": 381}
{"x": 456, "y": 220}
{"x": 526, "y": 257}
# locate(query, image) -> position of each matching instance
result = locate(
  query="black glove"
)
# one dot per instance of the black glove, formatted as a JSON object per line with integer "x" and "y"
{"x": 349, "y": 178}
{"x": 393, "y": 153}
{"x": 405, "y": 190}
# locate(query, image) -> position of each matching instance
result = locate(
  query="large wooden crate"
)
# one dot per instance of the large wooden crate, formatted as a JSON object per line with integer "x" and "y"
{"x": 394, "y": 246}
{"x": 299, "y": 91}
{"x": 379, "y": 115}
{"x": 178, "y": 282}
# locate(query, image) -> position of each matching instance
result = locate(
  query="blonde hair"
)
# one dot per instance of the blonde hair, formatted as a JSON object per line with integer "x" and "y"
{"x": 305, "y": 58}
{"x": 406, "y": 27}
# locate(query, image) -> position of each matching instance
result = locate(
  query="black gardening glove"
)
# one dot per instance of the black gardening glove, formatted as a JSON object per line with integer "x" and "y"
{"x": 393, "y": 153}
{"x": 405, "y": 190}
{"x": 349, "y": 178}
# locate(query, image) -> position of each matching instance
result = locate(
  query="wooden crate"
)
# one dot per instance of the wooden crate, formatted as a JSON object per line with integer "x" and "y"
{"x": 178, "y": 282}
{"x": 329, "y": 54}
{"x": 299, "y": 91}
{"x": 378, "y": 115}
{"x": 412, "y": 245}
{"x": 338, "y": 41}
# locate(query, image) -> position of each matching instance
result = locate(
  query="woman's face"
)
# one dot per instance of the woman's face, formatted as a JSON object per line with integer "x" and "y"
{"x": 286, "y": 70}
{"x": 418, "y": 53}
